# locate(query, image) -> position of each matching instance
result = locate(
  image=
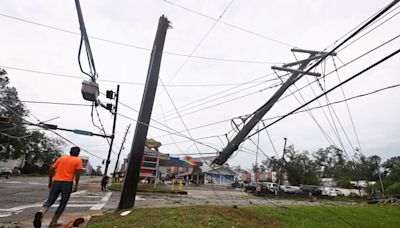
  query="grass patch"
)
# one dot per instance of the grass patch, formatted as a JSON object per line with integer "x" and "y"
{"x": 255, "y": 216}
{"x": 148, "y": 188}
{"x": 316, "y": 198}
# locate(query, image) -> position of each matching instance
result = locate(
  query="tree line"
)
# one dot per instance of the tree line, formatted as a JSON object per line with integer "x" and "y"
{"x": 305, "y": 168}
{"x": 37, "y": 149}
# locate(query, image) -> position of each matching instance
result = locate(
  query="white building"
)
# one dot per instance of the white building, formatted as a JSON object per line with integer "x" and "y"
{"x": 87, "y": 168}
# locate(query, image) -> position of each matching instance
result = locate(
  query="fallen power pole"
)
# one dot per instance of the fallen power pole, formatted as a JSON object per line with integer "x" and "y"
{"x": 233, "y": 145}
{"x": 296, "y": 75}
{"x": 131, "y": 181}
{"x": 120, "y": 150}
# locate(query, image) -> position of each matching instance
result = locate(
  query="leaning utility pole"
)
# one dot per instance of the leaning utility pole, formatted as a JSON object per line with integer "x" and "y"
{"x": 113, "y": 131}
{"x": 135, "y": 156}
{"x": 120, "y": 150}
{"x": 296, "y": 75}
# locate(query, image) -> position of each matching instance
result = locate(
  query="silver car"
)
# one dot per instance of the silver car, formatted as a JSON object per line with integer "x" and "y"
{"x": 5, "y": 172}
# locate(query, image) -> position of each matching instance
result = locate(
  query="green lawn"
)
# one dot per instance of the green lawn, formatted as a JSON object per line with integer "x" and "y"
{"x": 255, "y": 216}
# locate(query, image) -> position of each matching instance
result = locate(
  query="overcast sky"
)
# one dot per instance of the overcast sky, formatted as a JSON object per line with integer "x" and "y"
{"x": 241, "y": 47}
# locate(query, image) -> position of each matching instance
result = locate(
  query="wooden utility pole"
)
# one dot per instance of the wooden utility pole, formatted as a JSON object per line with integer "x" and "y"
{"x": 120, "y": 150}
{"x": 135, "y": 156}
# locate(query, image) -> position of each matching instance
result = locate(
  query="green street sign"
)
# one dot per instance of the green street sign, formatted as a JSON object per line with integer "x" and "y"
{"x": 81, "y": 132}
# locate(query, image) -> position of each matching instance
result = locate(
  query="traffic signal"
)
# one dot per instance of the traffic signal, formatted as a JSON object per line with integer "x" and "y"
{"x": 110, "y": 94}
{"x": 109, "y": 106}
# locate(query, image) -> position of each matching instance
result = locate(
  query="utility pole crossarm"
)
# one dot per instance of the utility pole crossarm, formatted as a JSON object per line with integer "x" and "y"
{"x": 311, "y": 52}
{"x": 297, "y": 71}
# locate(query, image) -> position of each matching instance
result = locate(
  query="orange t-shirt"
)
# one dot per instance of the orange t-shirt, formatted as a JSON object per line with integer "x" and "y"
{"x": 66, "y": 167}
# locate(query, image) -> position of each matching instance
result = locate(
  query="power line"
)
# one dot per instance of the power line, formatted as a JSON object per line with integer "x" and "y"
{"x": 56, "y": 103}
{"x": 123, "y": 82}
{"x": 136, "y": 46}
{"x": 200, "y": 42}
{"x": 227, "y": 101}
{"x": 345, "y": 64}
{"x": 366, "y": 27}
{"x": 310, "y": 83}
{"x": 270, "y": 140}
{"x": 175, "y": 132}
{"x": 180, "y": 117}
{"x": 231, "y": 25}
{"x": 207, "y": 102}
{"x": 59, "y": 135}
{"x": 172, "y": 138}
{"x": 341, "y": 101}
{"x": 327, "y": 137}
{"x": 330, "y": 90}
{"x": 160, "y": 129}
{"x": 348, "y": 108}
{"x": 223, "y": 91}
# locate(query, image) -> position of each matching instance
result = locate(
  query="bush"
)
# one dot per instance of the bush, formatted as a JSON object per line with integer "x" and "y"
{"x": 393, "y": 189}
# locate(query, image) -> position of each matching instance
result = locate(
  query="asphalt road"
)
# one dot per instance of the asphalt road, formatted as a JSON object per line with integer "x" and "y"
{"x": 21, "y": 197}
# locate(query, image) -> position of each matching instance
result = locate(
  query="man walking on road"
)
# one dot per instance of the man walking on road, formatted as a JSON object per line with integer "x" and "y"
{"x": 65, "y": 169}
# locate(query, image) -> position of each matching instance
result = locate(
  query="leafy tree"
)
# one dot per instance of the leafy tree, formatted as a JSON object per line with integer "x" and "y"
{"x": 392, "y": 168}
{"x": 299, "y": 168}
{"x": 16, "y": 142}
{"x": 331, "y": 161}
{"x": 258, "y": 168}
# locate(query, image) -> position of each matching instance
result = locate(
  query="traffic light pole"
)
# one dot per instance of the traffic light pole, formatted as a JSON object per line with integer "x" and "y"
{"x": 113, "y": 131}
{"x": 129, "y": 187}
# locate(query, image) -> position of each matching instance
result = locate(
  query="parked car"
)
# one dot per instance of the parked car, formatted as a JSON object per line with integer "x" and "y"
{"x": 311, "y": 190}
{"x": 327, "y": 191}
{"x": 250, "y": 187}
{"x": 5, "y": 172}
{"x": 271, "y": 187}
{"x": 237, "y": 184}
{"x": 339, "y": 193}
{"x": 290, "y": 189}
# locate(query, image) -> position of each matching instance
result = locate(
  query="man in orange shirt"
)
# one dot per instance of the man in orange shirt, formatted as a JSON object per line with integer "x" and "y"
{"x": 65, "y": 169}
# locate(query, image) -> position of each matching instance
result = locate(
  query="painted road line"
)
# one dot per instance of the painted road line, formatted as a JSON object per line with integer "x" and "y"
{"x": 19, "y": 208}
{"x": 102, "y": 202}
{"x": 5, "y": 214}
{"x": 13, "y": 182}
{"x": 15, "y": 209}
{"x": 34, "y": 183}
{"x": 86, "y": 196}
{"x": 78, "y": 192}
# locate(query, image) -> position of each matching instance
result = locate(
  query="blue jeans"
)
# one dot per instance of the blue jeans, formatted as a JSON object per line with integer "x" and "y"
{"x": 57, "y": 187}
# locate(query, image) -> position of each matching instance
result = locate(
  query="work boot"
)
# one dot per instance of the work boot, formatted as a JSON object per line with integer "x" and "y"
{"x": 37, "y": 222}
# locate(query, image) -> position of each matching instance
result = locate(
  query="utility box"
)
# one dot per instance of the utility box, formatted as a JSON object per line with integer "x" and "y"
{"x": 90, "y": 90}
